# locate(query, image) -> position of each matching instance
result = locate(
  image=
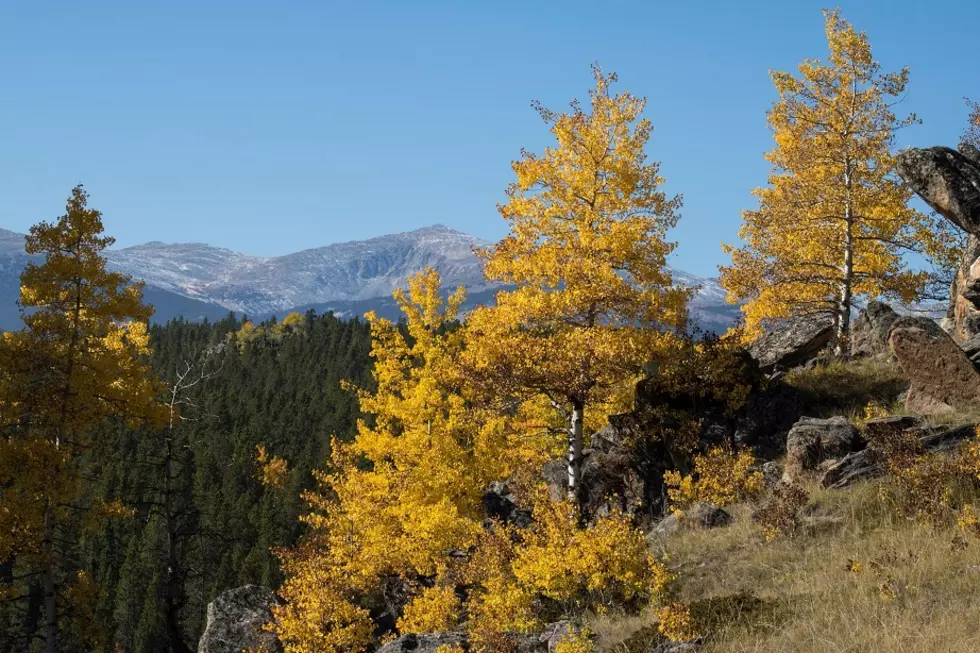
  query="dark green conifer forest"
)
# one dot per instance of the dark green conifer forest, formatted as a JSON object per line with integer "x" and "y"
{"x": 200, "y": 520}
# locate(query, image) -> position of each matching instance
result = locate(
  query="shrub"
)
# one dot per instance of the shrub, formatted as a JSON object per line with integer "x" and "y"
{"x": 720, "y": 477}
{"x": 778, "y": 513}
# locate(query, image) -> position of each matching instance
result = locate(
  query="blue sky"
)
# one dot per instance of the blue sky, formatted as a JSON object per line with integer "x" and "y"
{"x": 270, "y": 127}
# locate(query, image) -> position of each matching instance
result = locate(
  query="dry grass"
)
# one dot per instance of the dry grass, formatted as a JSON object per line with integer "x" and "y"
{"x": 915, "y": 590}
{"x": 846, "y": 388}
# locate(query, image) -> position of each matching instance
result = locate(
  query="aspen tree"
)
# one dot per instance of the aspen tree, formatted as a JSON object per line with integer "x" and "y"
{"x": 834, "y": 222}
{"x": 587, "y": 251}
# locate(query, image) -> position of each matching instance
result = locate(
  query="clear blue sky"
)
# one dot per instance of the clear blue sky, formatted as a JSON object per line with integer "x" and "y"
{"x": 269, "y": 127}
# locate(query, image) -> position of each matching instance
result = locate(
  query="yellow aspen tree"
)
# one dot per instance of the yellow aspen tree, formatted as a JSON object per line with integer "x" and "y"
{"x": 834, "y": 222}
{"x": 406, "y": 492}
{"x": 587, "y": 251}
{"x": 79, "y": 359}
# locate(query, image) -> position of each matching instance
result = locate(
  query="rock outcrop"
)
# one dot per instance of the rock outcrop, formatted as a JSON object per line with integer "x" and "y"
{"x": 870, "y": 330}
{"x": 235, "y": 620}
{"x": 498, "y": 503}
{"x": 792, "y": 343}
{"x": 616, "y": 471}
{"x": 812, "y": 442}
{"x": 963, "y": 315}
{"x": 942, "y": 377}
{"x": 949, "y": 182}
{"x": 869, "y": 463}
{"x": 428, "y": 643}
{"x": 515, "y": 643}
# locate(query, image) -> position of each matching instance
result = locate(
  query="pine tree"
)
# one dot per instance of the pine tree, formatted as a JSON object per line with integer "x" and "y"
{"x": 77, "y": 362}
{"x": 594, "y": 300}
{"x": 834, "y": 222}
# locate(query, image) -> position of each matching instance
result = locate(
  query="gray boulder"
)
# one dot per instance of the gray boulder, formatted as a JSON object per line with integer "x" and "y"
{"x": 499, "y": 503}
{"x": 941, "y": 375}
{"x": 854, "y": 467}
{"x": 430, "y": 642}
{"x": 870, "y": 329}
{"x": 869, "y": 463}
{"x": 702, "y": 516}
{"x": 792, "y": 343}
{"x": 963, "y": 315}
{"x": 812, "y": 442}
{"x": 427, "y": 643}
{"x": 948, "y": 181}
{"x": 235, "y": 620}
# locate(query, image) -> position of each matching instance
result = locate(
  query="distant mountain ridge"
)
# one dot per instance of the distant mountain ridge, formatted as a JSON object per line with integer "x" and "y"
{"x": 198, "y": 281}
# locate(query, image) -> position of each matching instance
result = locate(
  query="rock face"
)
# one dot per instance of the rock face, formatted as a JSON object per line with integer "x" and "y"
{"x": 949, "y": 181}
{"x": 868, "y": 463}
{"x": 516, "y": 643}
{"x": 425, "y": 643}
{"x": 870, "y": 329}
{"x": 814, "y": 441}
{"x": 942, "y": 376}
{"x": 963, "y": 315}
{"x": 793, "y": 343}
{"x": 614, "y": 471}
{"x": 498, "y": 503}
{"x": 235, "y": 621}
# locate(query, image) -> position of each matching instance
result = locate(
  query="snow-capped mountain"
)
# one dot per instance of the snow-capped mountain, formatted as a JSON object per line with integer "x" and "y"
{"x": 341, "y": 272}
{"x": 197, "y": 280}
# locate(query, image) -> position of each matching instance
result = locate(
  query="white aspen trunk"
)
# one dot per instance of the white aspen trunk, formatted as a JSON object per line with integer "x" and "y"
{"x": 843, "y": 345}
{"x": 575, "y": 453}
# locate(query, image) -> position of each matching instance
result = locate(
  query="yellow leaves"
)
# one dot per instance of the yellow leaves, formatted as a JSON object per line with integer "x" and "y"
{"x": 80, "y": 359}
{"x": 435, "y": 609}
{"x": 603, "y": 565}
{"x": 580, "y": 642}
{"x": 675, "y": 622}
{"x": 720, "y": 477}
{"x": 273, "y": 471}
{"x": 834, "y": 221}
{"x": 586, "y": 249}
{"x": 406, "y": 493}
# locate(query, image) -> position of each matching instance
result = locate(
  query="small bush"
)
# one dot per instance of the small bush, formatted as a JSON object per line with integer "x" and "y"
{"x": 778, "y": 514}
{"x": 720, "y": 477}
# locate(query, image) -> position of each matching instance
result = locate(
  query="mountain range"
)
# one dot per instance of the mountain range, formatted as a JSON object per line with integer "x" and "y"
{"x": 198, "y": 281}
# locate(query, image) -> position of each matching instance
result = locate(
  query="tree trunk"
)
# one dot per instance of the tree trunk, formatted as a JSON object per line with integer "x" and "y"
{"x": 575, "y": 453}
{"x": 842, "y": 346}
{"x": 50, "y": 595}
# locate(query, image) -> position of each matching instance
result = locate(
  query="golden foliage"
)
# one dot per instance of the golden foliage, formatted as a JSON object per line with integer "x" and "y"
{"x": 675, "y": 622}
{"x": 587, "y": 252}
{"x": 407, "y": 491}
{"x": 720, "y": 477}
{"x": 435, "y": 609}
{"x": 403, "y": 502}
{"x": 579, "y": 642}
{"x": 273, "y": 471}
{"x": 834, "y": 221}
{"x": 928, "y": 486}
